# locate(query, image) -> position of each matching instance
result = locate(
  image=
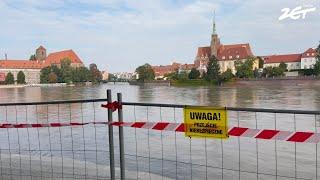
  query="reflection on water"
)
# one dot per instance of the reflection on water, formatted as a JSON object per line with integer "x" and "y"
{"x": 278, "y": 96}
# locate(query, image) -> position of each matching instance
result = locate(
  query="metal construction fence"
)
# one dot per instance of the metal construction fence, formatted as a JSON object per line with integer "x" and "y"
{"x": 76, "y": 140}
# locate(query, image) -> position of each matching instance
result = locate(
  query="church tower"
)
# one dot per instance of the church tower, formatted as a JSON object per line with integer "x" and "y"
{"x": 41, "y": 53}
{"x": 215, "y": 41}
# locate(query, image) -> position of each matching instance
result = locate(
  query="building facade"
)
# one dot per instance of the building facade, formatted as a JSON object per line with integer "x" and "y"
{"x": 308, "y": 58}
{"x": 292, "y": 61}
{"x": 32, "y": 68}
{"x": 226, "y": 55}
{"x": 305, "y": 60}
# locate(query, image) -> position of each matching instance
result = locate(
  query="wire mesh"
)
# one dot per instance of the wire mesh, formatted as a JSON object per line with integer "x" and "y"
{"x": 82, "y": 152}
{"x": 77, "y": 152}
{"x": 171, "y": 155}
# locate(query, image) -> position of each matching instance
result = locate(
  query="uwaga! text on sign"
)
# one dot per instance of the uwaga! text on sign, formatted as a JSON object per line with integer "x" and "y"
{"x": 206, "y": 122}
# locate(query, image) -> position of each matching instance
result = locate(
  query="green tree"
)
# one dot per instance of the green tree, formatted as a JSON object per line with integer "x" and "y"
{"x": 283, "y": 66}
{"x": 316, "y": 67}
{"x": 244, "y": 69}
{"x": 261, "y": 62}
{"x": 194, "y": 74}
{"x": 96, "y": 75}
{"x": 44, "y": 74}
{"x": 66, "y": 70}
{"x": 172, "y": 75}
{"x": 112, "y": 77}
{"x": 145, "y": 73}
{"x": 273, "y": 71}
{"x": 227, "y": 75}
{"x": 80, "y": 74}
{"x": 52, "y": 78}
{"x": 33, "y": 57}
{"x": 182, "y": 76}
{"x": 58, "y": 72}
{"x": 9, "y": 78}
{"x": 21, "y": 78}
{"x": 213, "y": 69}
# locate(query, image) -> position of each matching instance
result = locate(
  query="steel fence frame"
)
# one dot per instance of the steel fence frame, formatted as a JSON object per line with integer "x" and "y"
{"x": 162, "y": 159}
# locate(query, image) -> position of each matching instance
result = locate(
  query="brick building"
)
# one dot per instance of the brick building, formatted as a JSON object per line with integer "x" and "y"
{"x": 32, "y": 68}
{"x": 226, "y": 55}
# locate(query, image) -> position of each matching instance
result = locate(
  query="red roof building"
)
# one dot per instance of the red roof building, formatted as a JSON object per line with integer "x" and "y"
{"x": 32, "y": 68}
{"x": 286, "y": 58}
{"x": 56, "y": 57}
{"x": 226, "y": 54}
{"x": 53, "y": 58}
{"x": 309, "y": 53}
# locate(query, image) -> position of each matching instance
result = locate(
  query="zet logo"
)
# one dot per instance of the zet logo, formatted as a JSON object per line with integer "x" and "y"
{"x": 296, "y": 13}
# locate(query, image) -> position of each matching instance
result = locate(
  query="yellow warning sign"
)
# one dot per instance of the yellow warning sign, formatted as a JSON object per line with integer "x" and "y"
{"x": 206, "y": 122}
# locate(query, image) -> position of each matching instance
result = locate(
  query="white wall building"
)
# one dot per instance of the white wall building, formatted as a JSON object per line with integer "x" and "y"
{"x": 293, "y": 61}
{"x": 124, "y": 75}
{"x": 308, "y": 59}
{"x": 305, "y": 60}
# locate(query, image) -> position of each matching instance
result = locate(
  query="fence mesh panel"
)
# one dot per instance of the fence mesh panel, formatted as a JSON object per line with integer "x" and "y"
{"x": 82, "y": 152}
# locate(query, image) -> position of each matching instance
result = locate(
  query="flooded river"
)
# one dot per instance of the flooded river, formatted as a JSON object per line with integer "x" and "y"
{"x": 82, "y": 152}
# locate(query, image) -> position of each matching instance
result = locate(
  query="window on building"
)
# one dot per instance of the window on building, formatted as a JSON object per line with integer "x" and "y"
{"x": 307, "y": 54}
{"x": 237, "y": 56}
{"x": 312, "y": 54}
{"x": 230, "y": 57}
{"x": 223, "y": 57}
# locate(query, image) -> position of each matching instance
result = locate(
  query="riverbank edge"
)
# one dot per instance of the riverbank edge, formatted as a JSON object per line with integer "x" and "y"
{"x": 34, "y": 85}
{"x": 235, "y": 81}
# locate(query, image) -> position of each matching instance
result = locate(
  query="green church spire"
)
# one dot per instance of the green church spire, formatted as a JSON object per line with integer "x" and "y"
{"x": 214, "y": 23}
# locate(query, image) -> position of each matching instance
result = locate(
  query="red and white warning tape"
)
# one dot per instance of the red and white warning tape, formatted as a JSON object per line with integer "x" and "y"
{"x": 309, "y": 137}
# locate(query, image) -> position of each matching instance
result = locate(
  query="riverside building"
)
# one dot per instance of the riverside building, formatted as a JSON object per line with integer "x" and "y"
{"x": 227, "y": 55}
{"x": 32, "y": 68}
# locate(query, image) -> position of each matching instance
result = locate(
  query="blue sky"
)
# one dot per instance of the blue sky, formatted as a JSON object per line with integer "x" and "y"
{"x": 119, "y": 35}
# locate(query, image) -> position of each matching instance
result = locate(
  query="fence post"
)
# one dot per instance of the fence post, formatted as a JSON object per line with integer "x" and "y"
{"x": 111, "y": 145}
{"x": 121, "y": 140}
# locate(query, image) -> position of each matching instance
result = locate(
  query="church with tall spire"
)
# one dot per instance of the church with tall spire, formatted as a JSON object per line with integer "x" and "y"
{"x": 226, "y": 54}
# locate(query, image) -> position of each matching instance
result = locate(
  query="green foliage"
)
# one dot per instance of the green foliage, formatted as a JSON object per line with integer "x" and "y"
{"x": 9, "y": 78}
{"x": 112, "y": 77}
{"x": 316, "y": 67}
{"x": 21, "y": 78}
{"x": 244, "y": 69}
{"x": 66, "y": 70}
{"x": 44, "y": 74}
{"x": 52, "y": 77}
{"x": 194, "y": 74}
{"x": 318, "y": 52}
{"x": 213, "y": 69}
{"x": 261, "y": 62}
{"x": 283, "y": 66}
{"x": 273, "y": 71}
{"x": 80, "y": 74}
{"x": 32, "y": 57}
{"x": 227, "y": 75}
{"x": 65, "y": 74}
{"x": 145, "y": 73}
{"x": 182, "y": 76}
{"x": 95, "y": 74}
{"x": 172, "y": 76}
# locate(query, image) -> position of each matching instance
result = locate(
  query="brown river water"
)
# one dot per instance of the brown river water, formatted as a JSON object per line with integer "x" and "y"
{"x": 84, "y": 150}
